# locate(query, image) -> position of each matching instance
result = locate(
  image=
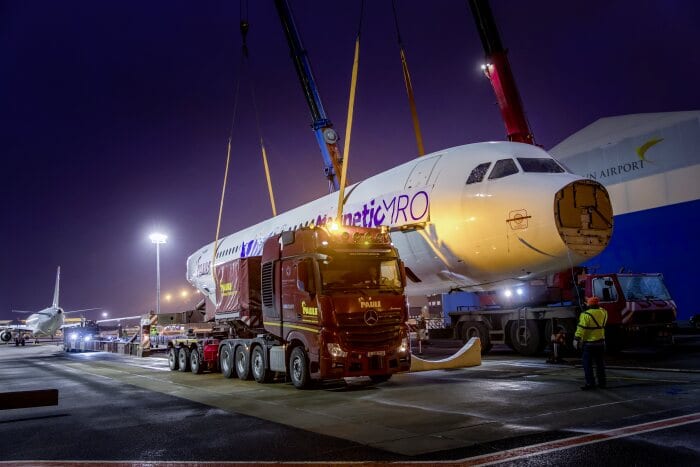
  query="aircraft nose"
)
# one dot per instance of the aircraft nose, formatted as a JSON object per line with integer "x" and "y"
{"x": 584, "y": 217}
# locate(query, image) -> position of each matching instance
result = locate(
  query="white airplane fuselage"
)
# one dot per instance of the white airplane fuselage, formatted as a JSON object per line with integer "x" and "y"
{"x": 45, "y": 322}
{"x": 452, "y": 234}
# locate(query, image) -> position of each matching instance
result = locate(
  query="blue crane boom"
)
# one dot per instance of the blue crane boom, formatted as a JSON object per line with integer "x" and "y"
{"x": 326, "y": 136}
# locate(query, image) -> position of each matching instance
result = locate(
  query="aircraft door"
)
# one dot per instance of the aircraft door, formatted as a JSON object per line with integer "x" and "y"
{"x": 420, "y": 175}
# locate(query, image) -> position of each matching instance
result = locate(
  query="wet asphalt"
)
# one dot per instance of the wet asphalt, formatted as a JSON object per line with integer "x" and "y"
{"x": 519, "y": 402}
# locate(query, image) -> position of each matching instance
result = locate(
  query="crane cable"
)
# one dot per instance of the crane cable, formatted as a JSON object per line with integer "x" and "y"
{"x": 223, "y": 188}
{"x": 244, "y": 32}
{"x": 409, "y": 85}
{"x": 244, "y": 55}
{"x": 348, "y": 125}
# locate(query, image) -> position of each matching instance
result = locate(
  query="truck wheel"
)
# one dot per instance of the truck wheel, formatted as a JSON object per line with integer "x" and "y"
{"x": 183, "y": 359}
{"x": 299, "y": 368}
{"x": 376, "y": 379}
{"x": 476, "y": 329}
{"x": 526, "y": 338}
{"x": 196, "y": 362}
{"x": 226, "y": 362}
{"x": 172, "y": 359}
{"x": 257, "y": 365}
{"x": 242, "y": 363}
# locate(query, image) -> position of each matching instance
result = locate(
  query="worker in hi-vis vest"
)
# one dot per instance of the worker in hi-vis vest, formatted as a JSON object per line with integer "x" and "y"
{"x": 590, "y": 338}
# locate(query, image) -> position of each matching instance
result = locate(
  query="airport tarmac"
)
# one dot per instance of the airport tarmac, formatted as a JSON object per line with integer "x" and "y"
{"x": 510, "y": 410}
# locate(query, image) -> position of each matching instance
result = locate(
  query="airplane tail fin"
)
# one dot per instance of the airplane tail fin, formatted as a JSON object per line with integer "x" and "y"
{"x": 55, "y": 290}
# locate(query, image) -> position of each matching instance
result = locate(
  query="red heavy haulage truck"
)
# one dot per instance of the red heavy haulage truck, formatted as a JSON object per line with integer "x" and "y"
{"x": 638, "y": 305}
{"x": 318, "y": 304}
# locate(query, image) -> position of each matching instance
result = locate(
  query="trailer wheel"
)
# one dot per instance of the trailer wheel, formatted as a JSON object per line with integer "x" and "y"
{"x": 299, "y": 368}
{"x": 183, "y": 359}
{"x": 172, "y": 359}
{"x": 257, "y": 364}
{"x": 376, "y": 379}
{"x": 526, "y": 338}
{"x": 196, "y": 362}
{"x": 226, "y": 361}
{"x": 242, "y": 362}
{"x": 477, "y": 329}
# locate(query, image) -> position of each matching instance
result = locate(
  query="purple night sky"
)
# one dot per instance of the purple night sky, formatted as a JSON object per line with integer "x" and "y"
{"x": 114, "y": 115}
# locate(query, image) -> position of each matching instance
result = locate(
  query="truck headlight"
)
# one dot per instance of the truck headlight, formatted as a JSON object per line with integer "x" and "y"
{"x": 87, "y": 338}
{"x": 404, "y": 345}
{"x": 335, "y": 350}
{"x": 74, "y": 336}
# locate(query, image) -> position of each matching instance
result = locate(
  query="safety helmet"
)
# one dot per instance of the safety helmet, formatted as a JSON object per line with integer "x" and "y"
{"x": 592, "y": 301}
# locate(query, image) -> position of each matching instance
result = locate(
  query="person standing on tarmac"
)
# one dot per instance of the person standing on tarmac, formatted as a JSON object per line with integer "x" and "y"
{"x": 590, "y": 337}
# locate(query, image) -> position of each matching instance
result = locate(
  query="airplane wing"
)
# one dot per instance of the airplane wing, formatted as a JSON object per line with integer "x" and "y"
{"x": 78, "y": 311}
{"x": 16, "y": 327}
{"x": 117, "y": 319}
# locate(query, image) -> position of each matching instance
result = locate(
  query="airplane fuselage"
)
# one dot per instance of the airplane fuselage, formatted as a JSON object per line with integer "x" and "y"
{"x": 469, "y": 217}
{"x": 45, "y": 322}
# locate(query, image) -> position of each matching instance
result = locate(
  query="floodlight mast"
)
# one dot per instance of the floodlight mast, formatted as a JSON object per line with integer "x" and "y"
{"x": 158, "y": 238}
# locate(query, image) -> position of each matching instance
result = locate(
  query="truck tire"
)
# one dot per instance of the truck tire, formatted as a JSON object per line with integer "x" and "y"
{"x": 477, "y": 329}
{"x": 172, "y": 359}
{"x": 196, "y": 362}
{"x": 261, "y": 373}
{"x": 226, "y": 362}
{"x": 376, "y": 379}
{"x": 242, "y": 363}
{"x": 183, "y": 359}
{"x": 299, "y": 368}
{"x": 526, "y": 339}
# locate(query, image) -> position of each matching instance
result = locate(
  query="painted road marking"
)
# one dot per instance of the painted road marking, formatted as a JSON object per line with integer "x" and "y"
{"x": 552, "y": 446}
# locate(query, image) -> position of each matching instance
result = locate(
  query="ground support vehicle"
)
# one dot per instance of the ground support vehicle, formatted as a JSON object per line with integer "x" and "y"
{"x": 80, "y": 338}
{"x": 639, "y": 308}
{"x": 321, "y": 303}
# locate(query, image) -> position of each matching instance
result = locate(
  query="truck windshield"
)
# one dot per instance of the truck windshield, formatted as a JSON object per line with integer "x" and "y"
{"x": 344, "y": 272}
{"x": 644, "y": 288}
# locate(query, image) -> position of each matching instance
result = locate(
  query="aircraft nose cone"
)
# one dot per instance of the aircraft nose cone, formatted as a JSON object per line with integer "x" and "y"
{"x": 584, "y": 217}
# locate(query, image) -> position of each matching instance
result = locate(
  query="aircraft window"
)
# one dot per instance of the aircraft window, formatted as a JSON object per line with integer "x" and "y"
{"x": 539, "y": 165}
{"x": 503, "y": 168}
{"x": 478, "y": 173}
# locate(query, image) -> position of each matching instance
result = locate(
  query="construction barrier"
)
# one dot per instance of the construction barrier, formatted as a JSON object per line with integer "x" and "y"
{"x": 469, "y": 355}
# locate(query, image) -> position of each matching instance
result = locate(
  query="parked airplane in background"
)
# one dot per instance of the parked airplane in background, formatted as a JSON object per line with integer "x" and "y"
{"x": 41, "y": 323}
{"x": 472, "y": 217}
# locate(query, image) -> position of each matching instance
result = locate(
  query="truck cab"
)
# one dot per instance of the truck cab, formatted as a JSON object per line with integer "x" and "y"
{"x": 334, "y": 297}
{"x": 635, "y": 302}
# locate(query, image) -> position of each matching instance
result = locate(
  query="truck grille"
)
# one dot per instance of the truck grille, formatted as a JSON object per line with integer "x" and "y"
{"x": 371, "y": 338}
{"x": 357, "y": 318}
{"x": 357, "y": 334}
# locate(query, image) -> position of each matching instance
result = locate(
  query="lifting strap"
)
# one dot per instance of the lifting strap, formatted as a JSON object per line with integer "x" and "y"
{"x": 409, "y": 85}
{"x": 348, "y": 126}
{"x": 245, "y": 25}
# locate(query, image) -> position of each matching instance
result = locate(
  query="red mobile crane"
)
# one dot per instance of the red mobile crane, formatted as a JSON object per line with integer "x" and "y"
{"x": 637, "y": 303}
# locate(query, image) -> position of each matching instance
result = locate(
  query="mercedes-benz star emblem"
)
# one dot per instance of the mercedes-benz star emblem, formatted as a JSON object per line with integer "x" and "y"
{"x": 371, "y": 317}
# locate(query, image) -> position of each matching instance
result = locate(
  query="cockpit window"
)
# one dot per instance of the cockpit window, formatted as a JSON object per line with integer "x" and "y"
{"x": 478, "y": 173}
{"x": 503, "y": 168}
{"x": 539, "y": 165}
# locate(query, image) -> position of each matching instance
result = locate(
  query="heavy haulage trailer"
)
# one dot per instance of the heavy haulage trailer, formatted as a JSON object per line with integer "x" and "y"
{"x": 321, "y": 303}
